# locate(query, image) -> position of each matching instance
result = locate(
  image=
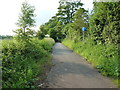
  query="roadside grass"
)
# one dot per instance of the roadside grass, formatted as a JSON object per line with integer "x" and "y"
{"x": 103, "y": 57}
{"x": 23, "y": 62}
{"x": 117, "y": 82}
{"x": 45, "y": 66}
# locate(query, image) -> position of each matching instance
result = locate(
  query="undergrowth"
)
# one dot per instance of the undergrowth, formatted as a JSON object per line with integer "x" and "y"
{"x": 22, "y": 61}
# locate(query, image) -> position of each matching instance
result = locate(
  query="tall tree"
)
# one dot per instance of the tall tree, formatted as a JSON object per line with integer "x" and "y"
{"x": 67, "y": 9}
{"x": 26, "y": 18}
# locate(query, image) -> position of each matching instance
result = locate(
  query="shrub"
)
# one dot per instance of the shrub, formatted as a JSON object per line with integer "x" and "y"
{"x": 21, "y": 61}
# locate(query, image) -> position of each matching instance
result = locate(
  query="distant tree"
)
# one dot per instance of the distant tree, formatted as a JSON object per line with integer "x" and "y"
{"x": 6, "y": 37}
{"x": 43, "y": 29}
{"x": 65, "y": 15}
{"x": 40, "y": 34}
{"x": 26, "y": 19}
{"x": 52, "y": 32}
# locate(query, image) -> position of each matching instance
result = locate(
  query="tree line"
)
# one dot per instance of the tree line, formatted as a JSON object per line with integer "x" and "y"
{"x": 102, "y": 24}
{"x": 68, "y": 21}
{"x": 6, "y": 37}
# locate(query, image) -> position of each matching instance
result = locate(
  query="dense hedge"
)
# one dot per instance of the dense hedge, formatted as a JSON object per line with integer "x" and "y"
{"x": 21, "y": 61}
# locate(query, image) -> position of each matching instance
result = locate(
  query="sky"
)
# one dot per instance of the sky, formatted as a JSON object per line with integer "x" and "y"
{"x": 45, "y": 9}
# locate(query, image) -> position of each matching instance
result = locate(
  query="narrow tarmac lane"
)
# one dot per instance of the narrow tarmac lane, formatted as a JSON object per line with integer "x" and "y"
{"x": 72, "y": 71}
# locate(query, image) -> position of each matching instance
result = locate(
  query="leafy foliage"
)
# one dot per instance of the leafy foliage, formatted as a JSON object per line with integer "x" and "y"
{"x": 104, "y": 23}
{"x": 65, "y": 15}
{"x": 21, "y": 61}
{"x": 25, "y": 21}
{"x": 26, "y": 15}
{"x": 67, "y": 9}
{"x": 24, "y": 57}
{"x": 40, "y": 34}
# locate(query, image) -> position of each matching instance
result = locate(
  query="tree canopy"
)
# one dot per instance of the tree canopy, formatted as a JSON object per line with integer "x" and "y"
{"x": 66, "y": 14}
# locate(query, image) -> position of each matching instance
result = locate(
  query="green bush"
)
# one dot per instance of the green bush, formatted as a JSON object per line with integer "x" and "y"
{"x": 21, "y": 61}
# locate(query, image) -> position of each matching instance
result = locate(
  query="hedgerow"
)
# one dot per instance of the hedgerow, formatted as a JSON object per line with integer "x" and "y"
{"x": 22, "y": 61}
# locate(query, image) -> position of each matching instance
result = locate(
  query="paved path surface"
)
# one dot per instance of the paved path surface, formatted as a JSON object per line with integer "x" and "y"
{"x": 72, "y": 71}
